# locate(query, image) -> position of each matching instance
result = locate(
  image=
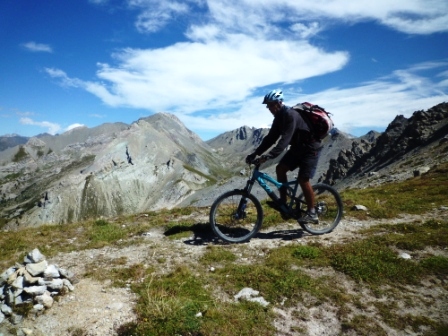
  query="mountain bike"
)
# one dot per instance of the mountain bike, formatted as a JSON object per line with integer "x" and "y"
{"x": 237, "y": 215}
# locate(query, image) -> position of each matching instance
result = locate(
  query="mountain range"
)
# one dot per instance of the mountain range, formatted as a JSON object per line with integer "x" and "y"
{"x": 156, "y": 162}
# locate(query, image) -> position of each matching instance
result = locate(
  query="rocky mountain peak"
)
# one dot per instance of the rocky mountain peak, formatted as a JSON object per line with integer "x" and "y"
{"x": 402, "y": 136}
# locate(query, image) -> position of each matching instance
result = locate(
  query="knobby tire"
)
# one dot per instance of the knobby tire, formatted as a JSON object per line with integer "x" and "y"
{"x": 329, "y": 209}
{"x": 231, "y": 226}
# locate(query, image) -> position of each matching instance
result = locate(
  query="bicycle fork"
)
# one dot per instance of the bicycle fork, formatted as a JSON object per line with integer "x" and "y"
{"x": 241, "y": 210}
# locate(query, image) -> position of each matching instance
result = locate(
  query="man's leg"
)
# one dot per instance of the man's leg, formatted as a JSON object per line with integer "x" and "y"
{"x": 282, "y": 170}
{"x": 307, "y": 192}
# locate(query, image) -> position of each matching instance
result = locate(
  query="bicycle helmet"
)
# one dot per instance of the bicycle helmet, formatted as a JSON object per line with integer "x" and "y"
{"x": 273, "y": 96}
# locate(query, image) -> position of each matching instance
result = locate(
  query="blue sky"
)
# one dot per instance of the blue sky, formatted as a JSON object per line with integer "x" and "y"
{"x": 66, "y": 63}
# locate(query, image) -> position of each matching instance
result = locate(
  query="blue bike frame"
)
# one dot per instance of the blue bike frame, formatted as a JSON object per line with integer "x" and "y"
{"x": 262, "y": 178}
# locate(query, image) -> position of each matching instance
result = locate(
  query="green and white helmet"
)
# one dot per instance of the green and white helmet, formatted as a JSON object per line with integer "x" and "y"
{"x": 273, "y": 96}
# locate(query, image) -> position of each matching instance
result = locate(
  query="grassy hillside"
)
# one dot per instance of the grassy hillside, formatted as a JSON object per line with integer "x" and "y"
{"x": 296, "y": 277}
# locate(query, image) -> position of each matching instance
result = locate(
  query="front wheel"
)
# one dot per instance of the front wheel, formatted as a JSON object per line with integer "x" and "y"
{"x": 236, "y": 216}
{"x": 329, "y": 209}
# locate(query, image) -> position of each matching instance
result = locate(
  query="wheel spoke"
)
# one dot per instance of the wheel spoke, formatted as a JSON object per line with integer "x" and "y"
{"x": 328, "y": 205}
{"x": 234, "y": 221}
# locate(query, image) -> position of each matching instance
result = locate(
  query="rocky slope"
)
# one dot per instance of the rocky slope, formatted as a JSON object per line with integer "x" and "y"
{"x": 407, "y": 145}
{"x": 151, "y": 164}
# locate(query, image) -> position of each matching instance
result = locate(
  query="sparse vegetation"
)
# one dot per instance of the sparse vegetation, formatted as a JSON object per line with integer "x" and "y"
{"x": 210, "y": 180}
{"x": 414, "y": 196}
{"x": 188, "y": 298}
{"x": 20, "y": 155}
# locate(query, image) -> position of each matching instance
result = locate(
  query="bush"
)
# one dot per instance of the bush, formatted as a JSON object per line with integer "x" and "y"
{"x": 20, "y": 155}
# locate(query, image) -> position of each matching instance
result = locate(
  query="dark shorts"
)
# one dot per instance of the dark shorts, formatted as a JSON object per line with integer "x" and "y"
{"x": 306, "y": 161}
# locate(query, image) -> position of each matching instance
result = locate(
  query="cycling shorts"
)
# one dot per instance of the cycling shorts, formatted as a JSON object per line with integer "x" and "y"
{"x": 306, "y": 161}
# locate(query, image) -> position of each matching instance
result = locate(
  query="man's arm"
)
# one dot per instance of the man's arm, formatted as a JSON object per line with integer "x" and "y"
{"x": 269, "y": 139}
{"x": 288, "y": 127}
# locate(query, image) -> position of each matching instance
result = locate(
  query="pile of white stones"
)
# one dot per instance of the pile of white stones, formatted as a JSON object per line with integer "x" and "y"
{"x": 33, "y": 282}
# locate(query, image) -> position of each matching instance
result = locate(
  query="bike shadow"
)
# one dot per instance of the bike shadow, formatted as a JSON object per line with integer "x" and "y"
{"x": 202, "y": 234}
{"x": 286, "y": 235}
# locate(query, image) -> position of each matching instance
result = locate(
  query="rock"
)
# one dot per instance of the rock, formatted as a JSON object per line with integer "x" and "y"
{"x": 66, "y": 274}
{"x": 34, "y": 257}
{"x": 15, "y": 319}
{"x": 36, "y": 290}
{"x": 37, "y": 268}
{"x": 55, "y": 284}
{"x": 250, "y": 294}
{"x": 18, "y": 282}
{"x": 68, "y": 285}
{"x": 421, "y": 171}
{"x": 38, "y": 307}
{"x": 12, "y": 278}
{"x": 6, "y": 274}
{"x": 27, "y": 331}
{"x": 5, "y": 309}
{"x": 51, "y": 272}
{"x": 45, "y": 299}
{"x": 2, "y": 317}
{"x": 29, "y": 279}
{"x": 405, "y": 256}
{"x": 9, "y": 296}
{"x": 359, "y": 207}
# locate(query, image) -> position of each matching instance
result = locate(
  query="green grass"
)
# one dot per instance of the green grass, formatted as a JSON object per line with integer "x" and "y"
{"x": 215, "y": 254}
{"x": 369, "y": 261}
{"x": 179, "y": 304}
{"x": 415, "y": 196}
{"x": 190, "y": 299}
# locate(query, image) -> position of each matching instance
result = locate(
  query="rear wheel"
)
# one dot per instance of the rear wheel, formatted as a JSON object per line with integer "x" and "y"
{"x": 236, "y": 216}
{"x": 329, "y": 209}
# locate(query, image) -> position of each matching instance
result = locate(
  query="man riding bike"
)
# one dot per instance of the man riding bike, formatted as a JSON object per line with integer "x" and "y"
{"x": 291, "y": 129}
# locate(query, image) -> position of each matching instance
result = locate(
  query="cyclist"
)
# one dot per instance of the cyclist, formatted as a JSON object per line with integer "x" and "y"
{"x": 291, "y": 129}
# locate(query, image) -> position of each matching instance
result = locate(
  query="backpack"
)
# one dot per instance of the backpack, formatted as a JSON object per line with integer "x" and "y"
{"x": 317, "y": 118}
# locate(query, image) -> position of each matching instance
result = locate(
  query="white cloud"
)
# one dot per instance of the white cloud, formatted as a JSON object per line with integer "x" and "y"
{"x": 408, "y": 16}
{"x": 260, "y": 16}
{"x": 306, "y": 31}
{"x": 73, "y": 126}
{"x": 52, "y": 128}
{"x": 189, "y": 77}
{"x": 156, "y": 14}
{"x": 37, "y": 47}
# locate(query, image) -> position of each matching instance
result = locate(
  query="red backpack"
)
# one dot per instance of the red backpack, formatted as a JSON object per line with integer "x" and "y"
{"x": 317, "y": 118}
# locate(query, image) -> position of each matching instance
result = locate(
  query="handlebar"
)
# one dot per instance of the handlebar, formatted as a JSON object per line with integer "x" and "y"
{"x": 259, "y": 161}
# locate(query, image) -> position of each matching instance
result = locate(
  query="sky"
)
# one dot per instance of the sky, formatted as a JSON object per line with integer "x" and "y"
{"x": 71, "y": 63}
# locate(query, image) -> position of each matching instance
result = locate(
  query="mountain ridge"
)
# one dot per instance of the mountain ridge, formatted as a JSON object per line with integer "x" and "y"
{"x": 156, "y": 162}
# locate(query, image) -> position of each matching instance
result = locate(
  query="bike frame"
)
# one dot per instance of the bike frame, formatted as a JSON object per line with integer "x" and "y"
{"x": 261, "y": 178}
